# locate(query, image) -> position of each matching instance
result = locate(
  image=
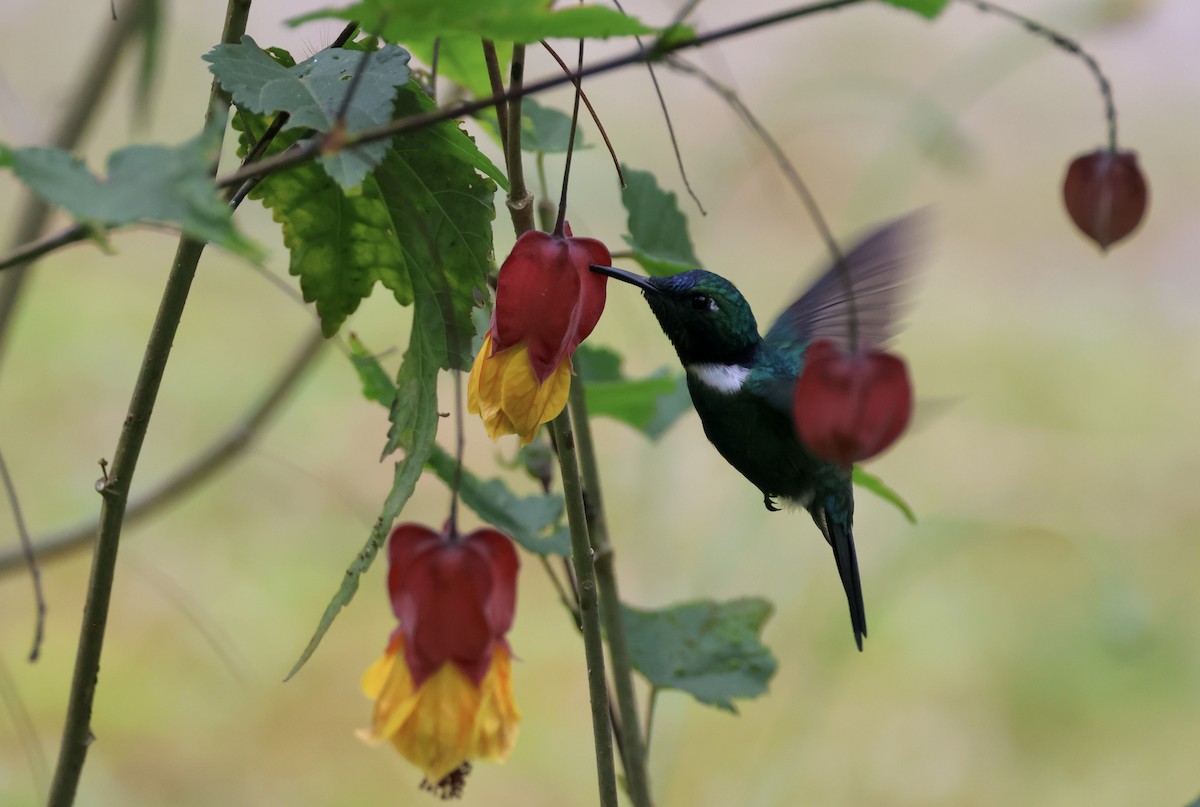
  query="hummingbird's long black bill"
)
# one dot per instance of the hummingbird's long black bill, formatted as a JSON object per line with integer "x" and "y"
{"x": 641, "y": 282}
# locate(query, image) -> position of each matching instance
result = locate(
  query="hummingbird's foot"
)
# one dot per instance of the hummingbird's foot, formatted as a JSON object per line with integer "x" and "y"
{"x": 769, "y": 501}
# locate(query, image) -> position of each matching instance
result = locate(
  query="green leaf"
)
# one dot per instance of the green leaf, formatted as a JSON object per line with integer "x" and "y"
{"x": 596, "y": 363}
{"x": 500, "y": 20}
{"x": 544, "y": 129}
{"x": 708, "y": 649}
{"x": 869, "y": 481}
{"x": 424, "y": 216}
{"x": 658, "y": 233}
{"x": 414, "y": 409}
{"x": 441, "y": 211}
{"x": 926, "y": 8}
{"x": 460, "y": 59}
{"x": 377, "y": 386}
{"x": 339, "y": 246}
{"x": 531, "y": 521}
{"x": 651, "y": 405}
{"x": 314, "y": 91}
{"x": 145, "y": 184}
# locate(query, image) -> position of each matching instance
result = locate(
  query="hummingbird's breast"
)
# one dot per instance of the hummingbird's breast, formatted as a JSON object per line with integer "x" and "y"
{"x": 753, "y": 436}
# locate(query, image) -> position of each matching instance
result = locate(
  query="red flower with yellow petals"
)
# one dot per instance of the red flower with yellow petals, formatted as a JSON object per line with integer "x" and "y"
{"x": 443, "y": 689}
{"x": 547, "y": 302}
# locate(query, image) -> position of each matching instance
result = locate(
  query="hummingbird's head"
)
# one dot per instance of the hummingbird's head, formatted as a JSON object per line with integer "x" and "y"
{"x": 704, "y": 315}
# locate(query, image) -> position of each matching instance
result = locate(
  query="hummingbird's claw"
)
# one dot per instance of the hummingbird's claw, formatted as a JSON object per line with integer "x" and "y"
{"x": 769, "y": 501}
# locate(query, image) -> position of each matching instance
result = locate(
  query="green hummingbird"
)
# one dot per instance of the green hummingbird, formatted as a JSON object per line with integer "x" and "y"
{"x": 741, "y": 383}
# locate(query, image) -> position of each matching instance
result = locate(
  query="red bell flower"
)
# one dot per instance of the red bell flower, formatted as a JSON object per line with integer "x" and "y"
{"x": 1105, "y": 195}
{"x": 547, "y": 299}
{"x": 547, "y": 302}
{"x": 443, "y": 689}
{"x": 848, "y": 407}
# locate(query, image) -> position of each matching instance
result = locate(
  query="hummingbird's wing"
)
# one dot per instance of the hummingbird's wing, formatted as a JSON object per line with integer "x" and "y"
{"x": 879, "y": 266}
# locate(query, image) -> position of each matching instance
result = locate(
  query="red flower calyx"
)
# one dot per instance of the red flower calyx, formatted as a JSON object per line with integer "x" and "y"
{"x": 454, "y": 596}
{"x": 1105, "y": 195}
{"x": 546, "y": 297}
{"x": 848, "y": 407}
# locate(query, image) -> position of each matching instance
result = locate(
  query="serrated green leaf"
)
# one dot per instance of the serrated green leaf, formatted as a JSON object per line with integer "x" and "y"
{"x": 377, "y": 386}
{"x": 145, "y": 184}
{"x": 313, "y": 92}
{"x": 531, "y": 521}
{"x": 424, "y": 211}
{"x": 500, "y": 20}
{"x": 650, "y": 405}
{"x": 926, "y": 8}
{"x": 339, "y": 245}
{"x": 414, "y": 409}
{"x": 441, "y": 211}
{"x": 658, "y": 233}
{"x": 868, "y": 481}
{"x": 708, "y": 649}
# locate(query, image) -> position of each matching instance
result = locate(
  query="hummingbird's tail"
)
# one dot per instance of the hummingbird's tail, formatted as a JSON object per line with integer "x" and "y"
{"x": 835, "y": 524}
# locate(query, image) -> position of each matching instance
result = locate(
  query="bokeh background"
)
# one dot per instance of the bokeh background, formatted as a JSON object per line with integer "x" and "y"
{"x": 1035, "y": 638}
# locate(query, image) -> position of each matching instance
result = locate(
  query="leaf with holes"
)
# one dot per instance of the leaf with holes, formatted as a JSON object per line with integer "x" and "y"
{"x": 711, "y": 650}
{"x": 339, "y": 245}
{"x": 314, "y": 91}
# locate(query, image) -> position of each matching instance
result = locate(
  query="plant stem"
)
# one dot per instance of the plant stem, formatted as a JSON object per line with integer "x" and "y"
{"x": 610, "y": 602}
{"x": 520, "y": 200}
{"x": 77, "y": 735}
{"x": 585, "y": 573}
{"x": 94, "y": 80}
{"x": 1070, "y": 46}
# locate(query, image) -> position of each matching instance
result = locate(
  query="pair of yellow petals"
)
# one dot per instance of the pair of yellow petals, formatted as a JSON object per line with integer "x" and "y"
{"x": 504, "y": 391}
{"x": 447, "y": 720}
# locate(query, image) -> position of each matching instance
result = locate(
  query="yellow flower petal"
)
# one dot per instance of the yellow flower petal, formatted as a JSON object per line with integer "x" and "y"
{"x": 527, "y": 403}
{"x": 447, "y": 720}
{"x": 503, "y": 390}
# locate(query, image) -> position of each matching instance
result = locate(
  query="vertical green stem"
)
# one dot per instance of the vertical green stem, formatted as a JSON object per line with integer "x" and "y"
{"x": 585, "y": 573}
{"x": 77, "y": 735}
{"x": 610, "y": 602}
{"x": 520, "y": 200}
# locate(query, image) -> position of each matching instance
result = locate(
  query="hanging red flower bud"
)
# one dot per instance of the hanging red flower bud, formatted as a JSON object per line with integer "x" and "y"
{"x": 547, "y": 302}
{"x": 443, "y": 689}
{"x": 1105, "y": 195}
{"x": 848, "y": 407}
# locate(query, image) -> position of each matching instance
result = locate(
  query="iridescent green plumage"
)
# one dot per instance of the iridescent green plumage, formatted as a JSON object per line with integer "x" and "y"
{"x": 741, "y": 383}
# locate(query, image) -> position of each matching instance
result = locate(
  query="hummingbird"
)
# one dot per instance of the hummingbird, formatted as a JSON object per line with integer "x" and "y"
{"x": 741, "y": 383}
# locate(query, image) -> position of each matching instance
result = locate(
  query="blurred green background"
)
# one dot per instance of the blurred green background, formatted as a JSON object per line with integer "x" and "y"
{"x": 1035, "y": 639}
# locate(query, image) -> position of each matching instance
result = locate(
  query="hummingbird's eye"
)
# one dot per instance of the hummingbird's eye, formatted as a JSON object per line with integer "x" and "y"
{"x": 702, "y": 302}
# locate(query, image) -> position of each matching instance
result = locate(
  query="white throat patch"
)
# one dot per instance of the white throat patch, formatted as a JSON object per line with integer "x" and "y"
{"x": 724, "y": 378}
